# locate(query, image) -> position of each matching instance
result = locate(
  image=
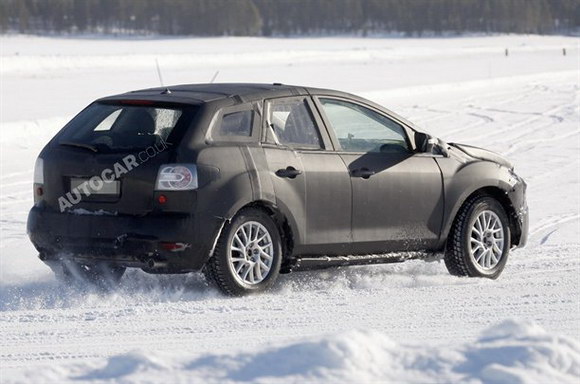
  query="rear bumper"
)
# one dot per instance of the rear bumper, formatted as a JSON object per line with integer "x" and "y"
{"x": 131, "y": 241}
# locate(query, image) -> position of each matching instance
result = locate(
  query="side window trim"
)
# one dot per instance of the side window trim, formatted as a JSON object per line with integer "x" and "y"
{"x": 407, "y": 130}
{"x": 327, "y": 144}
{"x": 217, "y": 119}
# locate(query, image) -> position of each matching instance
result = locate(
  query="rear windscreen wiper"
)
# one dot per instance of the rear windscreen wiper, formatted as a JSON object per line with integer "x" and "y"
{"x": 79, "y": 145}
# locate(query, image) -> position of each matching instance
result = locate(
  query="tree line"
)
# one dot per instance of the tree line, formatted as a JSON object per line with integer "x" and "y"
{"x": 289, "y": 17}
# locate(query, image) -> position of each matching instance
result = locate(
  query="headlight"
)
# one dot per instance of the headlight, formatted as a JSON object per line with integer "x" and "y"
{"x": 39, "y": 171}
{"x": 176, "y": 177}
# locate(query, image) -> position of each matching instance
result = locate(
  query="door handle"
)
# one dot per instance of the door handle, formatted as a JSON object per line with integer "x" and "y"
{"x": 365, "y": 173}
{"x": 288, "y": 172}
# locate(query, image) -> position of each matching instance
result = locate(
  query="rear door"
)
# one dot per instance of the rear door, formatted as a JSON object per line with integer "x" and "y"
{"x": 397, "y": 194}
{"x": 310, "y": 180}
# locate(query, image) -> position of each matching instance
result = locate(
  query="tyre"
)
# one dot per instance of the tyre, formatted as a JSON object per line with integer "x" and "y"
{"x": 248, "y": 254}
{"x": 479, "y": 241}
{"x": 101, "y": 275}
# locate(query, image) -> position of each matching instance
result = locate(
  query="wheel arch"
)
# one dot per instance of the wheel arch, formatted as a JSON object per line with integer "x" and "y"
{"x": 501, "y": 196}
{"x": 285, "y": 224}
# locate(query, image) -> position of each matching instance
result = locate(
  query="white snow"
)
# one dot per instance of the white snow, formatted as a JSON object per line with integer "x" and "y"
{"x": 510, "y": 352}
{"x": 400, "y": 322}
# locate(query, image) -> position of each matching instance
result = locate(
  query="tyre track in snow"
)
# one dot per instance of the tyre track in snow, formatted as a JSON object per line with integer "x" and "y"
{"x": 493, "y": 114}
{"x": 551, "y": 222}
{"x": 531, "y": 143}
{"x": 498, "y": 97}
{"x": 522, "y": 123}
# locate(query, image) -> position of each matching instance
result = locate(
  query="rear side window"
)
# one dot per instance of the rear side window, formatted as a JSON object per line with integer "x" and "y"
{"x": 294, "y": 124}
{"x": 236, "y": 124}
{"x": 115, "y": 127}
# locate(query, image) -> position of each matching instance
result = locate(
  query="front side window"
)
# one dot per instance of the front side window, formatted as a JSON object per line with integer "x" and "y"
{"x": 118, "y": 127}
{"x": 293, "y": 124}
{"x": 359, "y": 129}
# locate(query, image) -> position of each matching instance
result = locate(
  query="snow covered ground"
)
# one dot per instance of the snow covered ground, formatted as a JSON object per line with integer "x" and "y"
{"x": 401, "y": 322}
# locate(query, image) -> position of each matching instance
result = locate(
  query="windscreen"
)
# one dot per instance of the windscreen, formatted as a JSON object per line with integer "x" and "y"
{"x": 105, "y": 127}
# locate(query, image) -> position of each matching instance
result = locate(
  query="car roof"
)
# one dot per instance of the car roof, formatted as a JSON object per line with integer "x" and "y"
{"x": 221, "y": 94}
{"x": 204, "y": 93}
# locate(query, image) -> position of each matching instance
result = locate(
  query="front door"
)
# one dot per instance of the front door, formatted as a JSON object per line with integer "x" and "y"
{"x": 310, "y": 180}
{"x": 397, "y": 194}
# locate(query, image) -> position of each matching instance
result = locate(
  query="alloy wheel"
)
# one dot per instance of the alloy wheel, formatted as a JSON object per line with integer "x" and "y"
{"x": 486, "y": 240}
{"x": 251, "y": 253}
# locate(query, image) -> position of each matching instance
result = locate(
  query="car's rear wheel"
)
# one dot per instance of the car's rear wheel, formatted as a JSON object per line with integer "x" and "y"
{"x": 479, "y": 241}
{"x": 102, "y": 275}
{"x": 248, "y": 254}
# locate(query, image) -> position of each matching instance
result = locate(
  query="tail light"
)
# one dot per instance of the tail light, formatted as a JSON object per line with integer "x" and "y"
{"x": 176, "y": 177}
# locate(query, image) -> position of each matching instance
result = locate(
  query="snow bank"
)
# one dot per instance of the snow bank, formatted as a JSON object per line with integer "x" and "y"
{"x": 510, "y": 352}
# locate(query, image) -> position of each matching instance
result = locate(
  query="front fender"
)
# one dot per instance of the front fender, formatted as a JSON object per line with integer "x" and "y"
{"x": 461, "y": 180}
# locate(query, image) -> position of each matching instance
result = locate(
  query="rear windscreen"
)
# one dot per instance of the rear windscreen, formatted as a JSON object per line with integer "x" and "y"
{"x": 118, "y": 127}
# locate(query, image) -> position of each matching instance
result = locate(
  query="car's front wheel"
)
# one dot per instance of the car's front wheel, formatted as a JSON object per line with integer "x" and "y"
{"x": 248, "y": 254}
{"x": 479, "y": 241}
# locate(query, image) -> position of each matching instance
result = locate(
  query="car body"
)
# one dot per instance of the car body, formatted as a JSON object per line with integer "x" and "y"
{"x": 313, "y": 160}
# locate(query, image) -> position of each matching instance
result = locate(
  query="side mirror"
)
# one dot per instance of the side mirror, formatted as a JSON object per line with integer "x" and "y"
{"x": 423, "y": 142}
{"x": 428, "y": 144}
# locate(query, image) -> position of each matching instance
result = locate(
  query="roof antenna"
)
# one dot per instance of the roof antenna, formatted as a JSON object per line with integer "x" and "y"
{"x": 214, "y": 76}
{"x": 166, "y": 91}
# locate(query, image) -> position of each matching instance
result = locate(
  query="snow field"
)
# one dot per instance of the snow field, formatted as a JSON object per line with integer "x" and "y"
{"x": 401, "y": 322}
